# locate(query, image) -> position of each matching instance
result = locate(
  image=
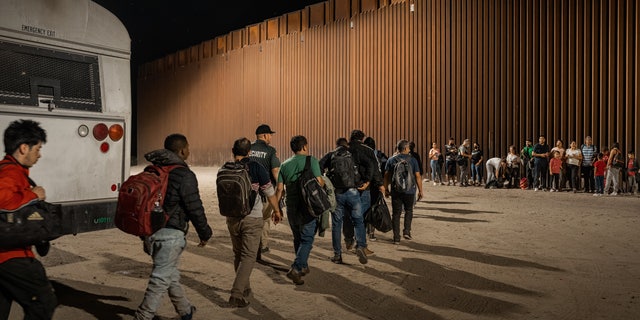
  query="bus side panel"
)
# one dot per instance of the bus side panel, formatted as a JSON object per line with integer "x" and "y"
{"x": 75, "y": 168}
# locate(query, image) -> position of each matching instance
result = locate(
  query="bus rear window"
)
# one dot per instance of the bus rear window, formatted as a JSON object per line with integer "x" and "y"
{"x": 30, "y": 76}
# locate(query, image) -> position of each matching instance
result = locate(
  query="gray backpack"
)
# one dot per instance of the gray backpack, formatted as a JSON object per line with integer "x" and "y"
{"x": 403, "y": 179}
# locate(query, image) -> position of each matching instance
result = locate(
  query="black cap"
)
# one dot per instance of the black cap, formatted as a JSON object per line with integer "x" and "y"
{"x": 263, "y": 128}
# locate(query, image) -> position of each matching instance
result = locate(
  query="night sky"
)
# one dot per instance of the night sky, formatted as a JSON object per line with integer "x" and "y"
{"x": 161, "y": 27}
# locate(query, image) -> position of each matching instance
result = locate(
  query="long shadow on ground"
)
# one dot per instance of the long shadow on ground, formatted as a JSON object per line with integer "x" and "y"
{"x": 96, "y": 304}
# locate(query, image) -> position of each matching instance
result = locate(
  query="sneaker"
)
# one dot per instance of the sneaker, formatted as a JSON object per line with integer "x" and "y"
{"x": 305, "y": 271}
{"x": 295, "y": 276}
{"x": 372, "y": 237}
{"x": 408, "y": 237}
{"x": 435, "y": 184}
{"x": 190, "y": 315}
{"x": 613, "y": 194}
{"x": 362, "y": 256}
{"x": 535, "y": 189}
{"x": 595, "y": 194}
{"x": 236, "y": 303}
{"x": 337, "y": 259}
{"x": 396, "y": 242}
{"x": 349, "y": 244}
{"x": 442, "y": 183}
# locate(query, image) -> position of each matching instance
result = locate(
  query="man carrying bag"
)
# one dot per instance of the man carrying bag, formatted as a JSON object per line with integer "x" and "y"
{"x": 22, "y": 276}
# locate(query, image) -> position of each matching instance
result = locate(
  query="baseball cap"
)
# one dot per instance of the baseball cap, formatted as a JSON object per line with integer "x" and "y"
{"x": 263, "y": 128}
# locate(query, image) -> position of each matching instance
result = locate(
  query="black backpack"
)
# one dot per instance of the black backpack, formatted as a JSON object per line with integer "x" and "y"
{"x": 235, "y": 195}
{"x": 403, "y": 178}
{"x": 315, "y": 196}
{"x": 343, "y": 169}
{"x": 33, "y": 223}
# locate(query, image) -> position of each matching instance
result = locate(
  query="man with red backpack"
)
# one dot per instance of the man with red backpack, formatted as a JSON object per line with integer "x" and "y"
{"x": 182, "y": 203}
{"x": 22, "y": 276}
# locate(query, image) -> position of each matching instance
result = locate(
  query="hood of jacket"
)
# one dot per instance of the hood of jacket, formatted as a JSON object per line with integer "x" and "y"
{"x": 164, "y": 157}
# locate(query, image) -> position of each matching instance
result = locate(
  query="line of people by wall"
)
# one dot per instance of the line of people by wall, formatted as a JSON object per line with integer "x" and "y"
{"x": 538, "y": 167}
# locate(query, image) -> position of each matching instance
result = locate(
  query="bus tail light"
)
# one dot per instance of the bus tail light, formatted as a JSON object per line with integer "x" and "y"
{"x": 104, "y": 147}
{"x": 100, "y": 132}
{"x": 116, "y": 132}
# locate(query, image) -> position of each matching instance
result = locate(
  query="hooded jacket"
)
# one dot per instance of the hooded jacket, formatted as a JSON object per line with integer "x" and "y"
{"x": 182, "y": 200}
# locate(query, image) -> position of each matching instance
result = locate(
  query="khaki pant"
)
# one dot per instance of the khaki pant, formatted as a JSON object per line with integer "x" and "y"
{"x": 267, "y": 211}
{"x": 245, "y": 238}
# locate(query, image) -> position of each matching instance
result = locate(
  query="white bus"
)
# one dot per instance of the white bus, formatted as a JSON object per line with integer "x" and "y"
{"x": 66, "y": 65}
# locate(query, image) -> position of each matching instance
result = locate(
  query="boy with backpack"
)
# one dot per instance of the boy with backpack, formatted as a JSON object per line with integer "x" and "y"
{"x": 182, "y": 203}
{"x": 245, "y": 229}
{"x": 403, "y": 174}
{"x": 341, "y": 170}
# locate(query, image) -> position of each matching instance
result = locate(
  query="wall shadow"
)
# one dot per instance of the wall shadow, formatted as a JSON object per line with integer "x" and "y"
{"x": 453, "y": 210}
{"x": 446, "y": 219}
{"x": 443, "y": 287}
{"x": 477, "y": 256}
{"x": 358, "y": 298}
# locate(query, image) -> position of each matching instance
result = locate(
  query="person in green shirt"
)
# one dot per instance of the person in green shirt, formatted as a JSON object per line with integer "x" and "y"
{"x": 303, "y": 225}
{"x": 526, "y": 156}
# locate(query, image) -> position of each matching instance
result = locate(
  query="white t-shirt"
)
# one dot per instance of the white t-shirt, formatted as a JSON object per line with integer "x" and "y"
{"x": 513, "y": 160}
{"x": 572, "y": 156}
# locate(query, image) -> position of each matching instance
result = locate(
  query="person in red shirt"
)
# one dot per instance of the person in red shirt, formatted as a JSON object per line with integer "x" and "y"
{"x": 555, "y": 168}
{"x": 600, "y": 167}
{"x": 22, "y": 276}
{"x": 632, "y": 169}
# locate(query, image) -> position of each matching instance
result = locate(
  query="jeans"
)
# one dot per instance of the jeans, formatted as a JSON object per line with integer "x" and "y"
{"x": 245, "y": 239}
{"x": 303, "y": 236}
{"x": 436, "y": 171}
{"x": 348, "y": 226}
{"x": 613, "y": 177}
{"x": 555, "y": 181}
{"x": 589, "y": 182}
{"x": 166, "y": 246}
{"x": 574, "y": 182}
{"x": 540, "y": 171}
{"x": 599, "y": 184}
{"x": 400, "y": 201}
{"x": 349, "y": 203}
{"x": 632, "y": 184}
{"x": 476, "y": 172}
{"x": 24, "y": 281}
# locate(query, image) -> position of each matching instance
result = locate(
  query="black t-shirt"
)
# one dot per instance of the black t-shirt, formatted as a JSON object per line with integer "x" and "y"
{"x": 539, "y": 149}
{"x": 476, "y": 154}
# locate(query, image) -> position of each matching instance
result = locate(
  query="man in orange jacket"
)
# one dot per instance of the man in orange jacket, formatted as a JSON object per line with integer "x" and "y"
{"x": 22, "y": 276}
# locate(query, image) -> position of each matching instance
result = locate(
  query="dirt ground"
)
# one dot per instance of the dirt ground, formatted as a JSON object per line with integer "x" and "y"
{"x": 476, "y": 254}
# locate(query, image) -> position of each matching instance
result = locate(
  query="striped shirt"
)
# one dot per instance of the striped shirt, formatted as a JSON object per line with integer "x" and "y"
{"x": 588, "y": 154}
